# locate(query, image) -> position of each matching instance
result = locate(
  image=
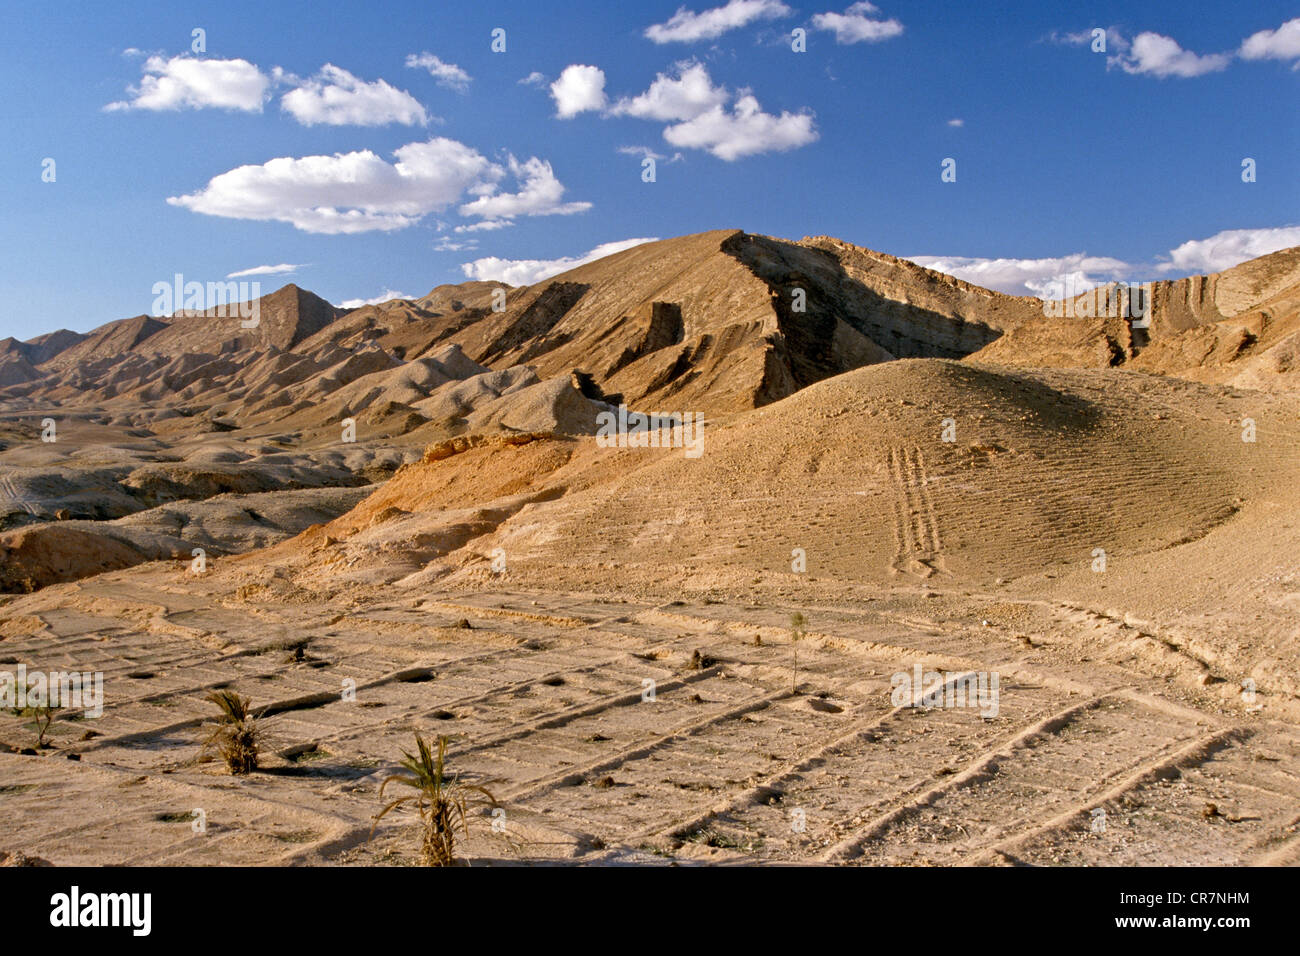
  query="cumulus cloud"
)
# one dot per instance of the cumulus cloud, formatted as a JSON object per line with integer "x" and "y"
{"x": 686, "y": 26}
{"x": 687, "y": 98}
{"x": 448, "y": 75}
{"x": 388, "y": 296}
{"x": 1047, "y": 278}
{"x": 347, "y": 192}
{"x": 578, "y": 90}
{"x": 540, "y": 194}
{"x": 958, "y": 123}
{"x": 529, "y": 271}
{"x": 1280, "y": 44}
{"x": 184, "y": 82}
{"x": 1226, "y": 249}
{"x": 533, "y": 79}
{"x": 744, "y": 130}
{"x": 1040, "y": 277}
{"x": 361, "y": 192}
{"x": 681, "y": 95}
{"x": 857, "y": 25}
{"x": 1155, "y": 55}
{"x": 335, "y": 97}
{"x": 283, "y": 269}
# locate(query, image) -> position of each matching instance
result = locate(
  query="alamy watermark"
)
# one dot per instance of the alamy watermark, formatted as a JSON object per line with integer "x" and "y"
{"x": 922, "y": 688}
{"x": 1068, "y": 298}
{"x": 242, "y": 300}
{"x": 626, "y": 429}
{"x": 70, "y": 690}
{"x": 75, "y": 909}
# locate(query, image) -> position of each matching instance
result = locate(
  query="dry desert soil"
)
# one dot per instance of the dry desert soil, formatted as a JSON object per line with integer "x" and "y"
{"x": 924, "y": 473}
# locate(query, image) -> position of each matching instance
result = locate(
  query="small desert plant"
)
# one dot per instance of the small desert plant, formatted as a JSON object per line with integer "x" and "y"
{"x": 41, "y": 715}
{"x": 796, "y": 635}
{"x": 236, "y": 733}
{"x": 444, "y": 803}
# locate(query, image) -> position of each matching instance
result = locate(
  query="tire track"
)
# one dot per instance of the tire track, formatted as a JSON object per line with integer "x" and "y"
{"x": 1168, "y": 762}
{"x": 919, "y": 547}
{"x": 1083, "y": 749}
{"x": 10, "y": 491}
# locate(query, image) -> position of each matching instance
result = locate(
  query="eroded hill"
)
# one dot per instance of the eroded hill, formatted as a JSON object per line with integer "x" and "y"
{"x": 609, "y": 632}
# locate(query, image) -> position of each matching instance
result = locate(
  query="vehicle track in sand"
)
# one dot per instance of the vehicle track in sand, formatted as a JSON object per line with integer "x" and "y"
{"x": 916, "y": 524}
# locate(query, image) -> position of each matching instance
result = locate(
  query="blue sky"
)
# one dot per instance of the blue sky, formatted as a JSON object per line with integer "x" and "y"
{"x": 352, "y": 141}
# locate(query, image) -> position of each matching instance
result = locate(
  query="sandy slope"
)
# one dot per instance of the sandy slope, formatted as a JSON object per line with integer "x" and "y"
{"x": 1120, "y": 691}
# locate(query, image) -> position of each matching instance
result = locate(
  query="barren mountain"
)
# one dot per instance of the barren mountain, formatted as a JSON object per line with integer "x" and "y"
{"x": 1240, "y": 326}
{"x": 411, "y": 500}
{"x": 723, "y": 321}
{"x": 715, "y": 322}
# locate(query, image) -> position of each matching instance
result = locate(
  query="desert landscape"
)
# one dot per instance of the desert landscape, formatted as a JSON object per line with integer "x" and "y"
{"x": 416, "y": 518}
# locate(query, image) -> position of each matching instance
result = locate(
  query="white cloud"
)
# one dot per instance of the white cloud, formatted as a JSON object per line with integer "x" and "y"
{"x": 487, "y": 225}
{"x": 361, "y": 192}
{"x": 1226, "y": 249}
{"x": 1161, "y": 56}
{"x": 539, "y": 195}
{"x": 533, "y": 79}
{"x": 1154, "y": 54}
{"x": 688, "y": 98}
{"x": 529, "y": 271}
{"x": 335, "y": 97}
{"x": 1114, "y": 39}
{"x": 645, "y": 152}
{"x": 855, "y": 25}
{"x": 579, "y": 89}
{"x": 958, "y": 123}
{"x": 347, "y": 192}
{"x": 282, "y": 269}
{"x": 1078, "y": 272}
{"x": 686, "y": 26}
{"x": 682, "y": 96}
{"x": 448, "y": 75}
{"x": 1280, "y": 44}
{"x": 745, "y": 130}
{"x": 184, "y": 82}
{"x": 388, "y": 296}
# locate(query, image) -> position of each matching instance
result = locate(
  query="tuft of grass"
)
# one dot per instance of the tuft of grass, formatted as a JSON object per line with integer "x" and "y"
{"x": 308, "y": 756}
{"x": 40, "y": 715}
{"x": 797, "y": 623}
{"x": 236, "y": 734}
{"x": 443, "y": 802}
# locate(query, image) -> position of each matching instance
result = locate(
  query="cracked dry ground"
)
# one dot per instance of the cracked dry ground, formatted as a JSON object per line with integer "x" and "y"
{"x": 543, "y": 694}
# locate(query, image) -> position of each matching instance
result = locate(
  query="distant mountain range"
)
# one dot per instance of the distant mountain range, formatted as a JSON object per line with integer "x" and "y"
{"x": 714, "y": 322}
